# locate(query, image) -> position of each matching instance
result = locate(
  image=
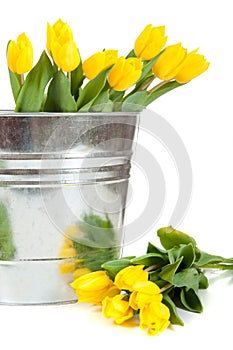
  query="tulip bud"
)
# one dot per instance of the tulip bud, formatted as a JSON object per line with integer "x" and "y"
{"x": 99, "y": 62}
{"x": 117, "y": 308}
{"x": 143, "y": 294}
{"x": 193, "y": 65}
{"x": 20, "y": 55}
{"x": 150, "y": 42}
{"x": 167, "y": 65}
{"x": 129, "y": 276}
{"x": 125, "y": 73}
{"x": 154, "y": 317}
{"x": 61, "y": 46}
{"x": 94, "y": 287}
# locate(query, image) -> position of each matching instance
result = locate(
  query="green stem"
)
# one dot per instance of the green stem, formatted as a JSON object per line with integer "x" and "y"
{"x": 21, "y": 79}
{"x": 167, "y": 286}
{"x": 154, "y": 267}
{"x": 69, "y": 76}
{"x": 156, "y": 87}
{"x": 217, "y": 266}
{"x": 145, "y": 86}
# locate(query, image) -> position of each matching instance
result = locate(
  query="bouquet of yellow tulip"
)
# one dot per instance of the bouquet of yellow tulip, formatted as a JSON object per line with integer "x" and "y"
{"x": 150, "y": 288}
{"x": 61, "y": 82}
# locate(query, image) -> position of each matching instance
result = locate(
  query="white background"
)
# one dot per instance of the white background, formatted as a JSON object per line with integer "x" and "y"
{"x": 201, "y": 113}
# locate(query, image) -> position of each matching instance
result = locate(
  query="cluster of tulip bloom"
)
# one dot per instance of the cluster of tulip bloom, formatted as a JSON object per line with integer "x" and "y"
{"x": 145, "y": 297}
{"x": 147, "y": 290}
{"x": 61, "y": 82}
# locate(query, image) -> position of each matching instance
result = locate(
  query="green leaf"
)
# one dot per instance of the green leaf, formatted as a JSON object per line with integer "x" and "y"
{"x": 167, "y": 273}
{"x": 206, "y": 258}
{"x": 77, "y": 78}
{"x": 15, "y": 81}
{"x": 135, "y": 102}
{"x": 86, "y": 107}
{"x": 190, "y": 300}
{"x": 146, "y": 70}
{"x": 151, "y": 248}
{"x": 170, "y": 237}
{"x": 116, "y": 96}
{"x": 187, "y": 278}
{"x": 131, "y": 54}
{"x": 187, "y": 251}
{"x": 59, "y": 97}
{"x": 174, "y": 317}
{"x": 150, "y": 259}
{"x": 92, "y": 89}
{"x": 203, "y": 281}
{"x": 114, "y": 266}
{"x": 32, "y": 92}
{"x": 162, "y": 90}
{"x": 101, "y": 101}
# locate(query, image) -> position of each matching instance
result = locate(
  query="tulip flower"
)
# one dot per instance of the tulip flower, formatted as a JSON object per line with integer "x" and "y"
{"x": 168, "y": 64}
{"x": 61, "y": 46}
{"x": 193, "y": 65}
{"x": 117, "y": 308}
{"x": 125, "y": 73}
{"x": 94, "y": 287}
{"x": 99, "y": 62}
{"x": 20, "y": 55}
{"x": 143, "y": 294}
{"x": 154, "y": 317}
{"x": 150, "y": 42}
{"x": 129, "y": 276}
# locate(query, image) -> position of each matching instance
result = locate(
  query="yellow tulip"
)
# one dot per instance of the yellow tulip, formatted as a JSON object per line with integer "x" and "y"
{"x": 168, "y": 64}
{"x": 154, "y": 317}
{"x": 129, "y": 276}
{"x": 99, "y": 62}
{"x": 20, "y": 55}
{"x": 143, "y": 294}
{"x": 61, "y": 46}
{"x": 193, "y": 65}
{"x": 94, "y": 287}
{"x": 150, "y": 42}
{"x": 117, "y": 308}
{"x": 125, "y": 73}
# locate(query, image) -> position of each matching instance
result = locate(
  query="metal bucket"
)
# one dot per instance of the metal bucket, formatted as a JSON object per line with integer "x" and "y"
{"x": 63, "y": 190}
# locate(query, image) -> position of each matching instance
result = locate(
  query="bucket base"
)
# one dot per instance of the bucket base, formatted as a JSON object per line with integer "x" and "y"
{"x": 34, "y": 282}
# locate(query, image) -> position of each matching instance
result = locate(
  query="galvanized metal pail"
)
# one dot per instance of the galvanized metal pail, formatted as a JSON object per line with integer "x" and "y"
{"x": 63, "y": 190}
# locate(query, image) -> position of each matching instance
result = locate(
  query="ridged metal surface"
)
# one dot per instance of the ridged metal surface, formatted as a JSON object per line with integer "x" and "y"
{"x": 54, "y": 168}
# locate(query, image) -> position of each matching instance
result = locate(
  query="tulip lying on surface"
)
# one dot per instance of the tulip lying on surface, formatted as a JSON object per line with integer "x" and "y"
{"x": 144, "y": 293}
{"x": 117, "y": 308}
{"x": 126, "y": 278}
{"x": 94, "y": 287}
{"x": 154, "y": 317}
